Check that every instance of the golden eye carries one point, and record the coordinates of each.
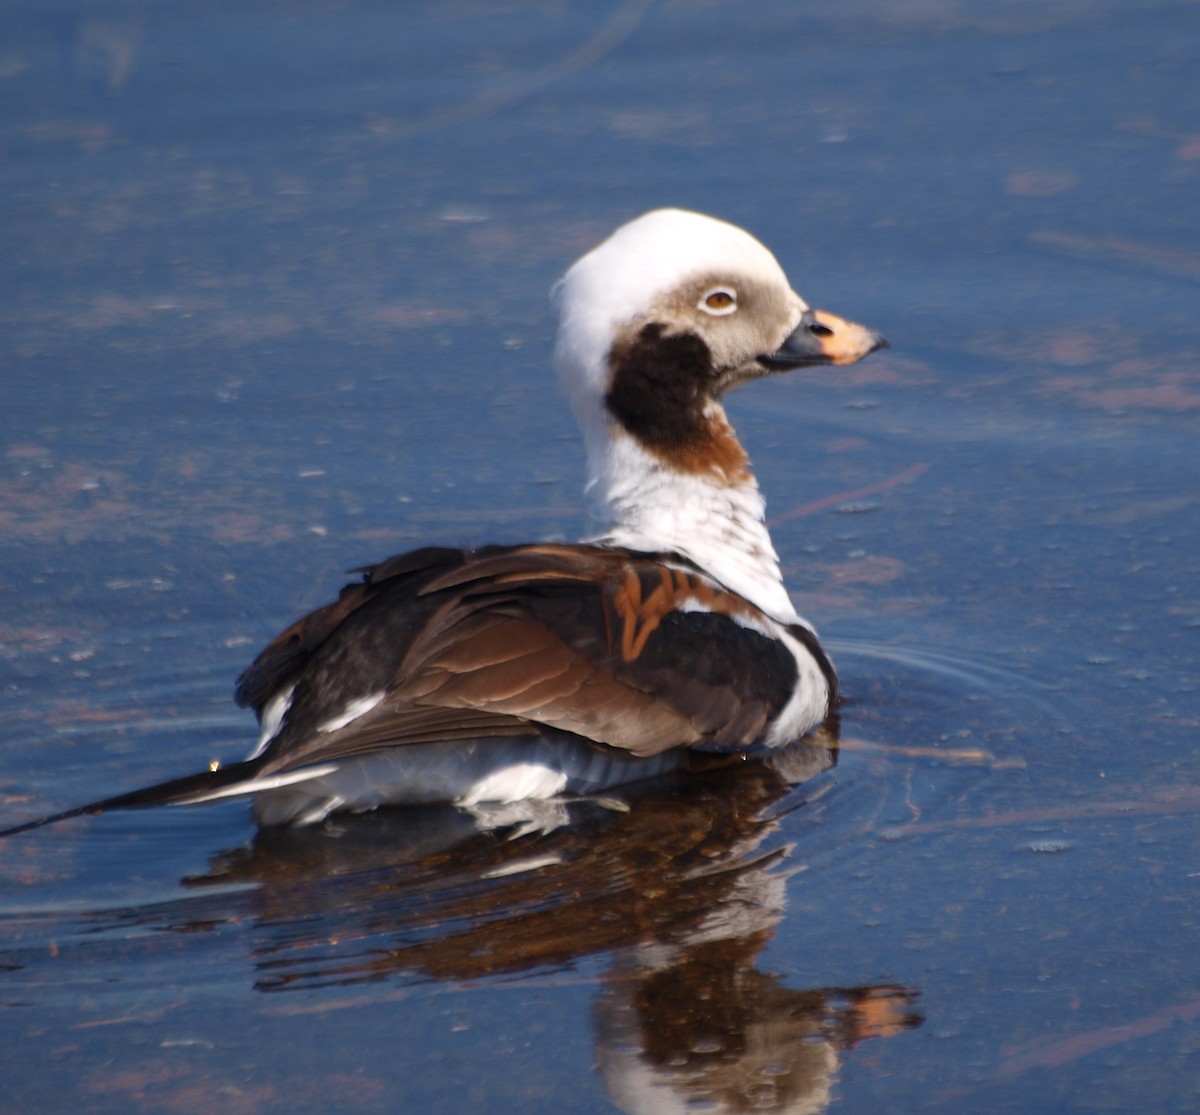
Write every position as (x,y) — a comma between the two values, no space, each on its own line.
(720,300)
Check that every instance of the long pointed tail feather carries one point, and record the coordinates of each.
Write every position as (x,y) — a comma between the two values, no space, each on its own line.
(222,782)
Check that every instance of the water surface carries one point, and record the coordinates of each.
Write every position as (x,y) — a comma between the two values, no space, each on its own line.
(276,305)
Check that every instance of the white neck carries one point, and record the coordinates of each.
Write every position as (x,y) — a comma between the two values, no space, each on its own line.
(713,520)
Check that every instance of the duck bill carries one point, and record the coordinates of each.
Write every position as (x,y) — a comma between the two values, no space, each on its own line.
(823,338)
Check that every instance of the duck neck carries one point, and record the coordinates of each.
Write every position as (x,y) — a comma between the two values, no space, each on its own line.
(713,516)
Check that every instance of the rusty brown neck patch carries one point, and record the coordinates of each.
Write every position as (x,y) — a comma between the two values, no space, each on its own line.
(660,392)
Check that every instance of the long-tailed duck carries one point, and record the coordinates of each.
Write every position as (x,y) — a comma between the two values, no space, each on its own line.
(520,672)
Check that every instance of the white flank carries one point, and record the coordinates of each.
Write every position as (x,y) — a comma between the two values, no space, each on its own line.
(809,702)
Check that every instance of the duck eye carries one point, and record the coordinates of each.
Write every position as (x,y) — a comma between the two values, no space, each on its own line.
(720,300)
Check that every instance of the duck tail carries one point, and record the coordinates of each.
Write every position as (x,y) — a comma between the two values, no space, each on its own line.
(192,788)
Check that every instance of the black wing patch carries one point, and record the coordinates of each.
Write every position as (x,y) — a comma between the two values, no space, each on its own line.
(394,584)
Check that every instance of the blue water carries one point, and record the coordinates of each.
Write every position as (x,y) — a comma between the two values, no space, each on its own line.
(276,305)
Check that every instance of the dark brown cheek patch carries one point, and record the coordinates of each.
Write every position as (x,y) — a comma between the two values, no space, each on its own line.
(659,383)
(660,386)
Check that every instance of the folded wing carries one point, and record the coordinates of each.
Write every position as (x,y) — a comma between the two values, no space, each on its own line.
(631,652)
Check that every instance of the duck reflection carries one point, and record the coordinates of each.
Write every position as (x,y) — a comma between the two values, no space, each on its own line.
(709,1031)
(680,884)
